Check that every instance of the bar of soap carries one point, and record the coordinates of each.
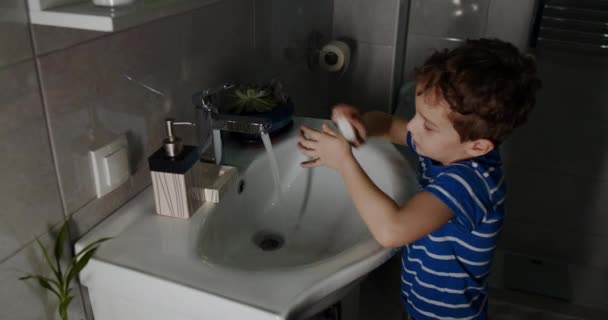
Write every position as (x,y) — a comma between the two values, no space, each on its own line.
(346,129)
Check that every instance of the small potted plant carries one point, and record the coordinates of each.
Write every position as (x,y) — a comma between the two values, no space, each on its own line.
(262,101)
(59,282)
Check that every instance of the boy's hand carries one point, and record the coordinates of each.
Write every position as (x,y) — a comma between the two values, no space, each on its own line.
(328,147)
(351,114)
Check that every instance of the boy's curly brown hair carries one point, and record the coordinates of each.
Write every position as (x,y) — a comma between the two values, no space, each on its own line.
(488,83)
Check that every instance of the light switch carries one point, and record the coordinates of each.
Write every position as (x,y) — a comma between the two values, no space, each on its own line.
(110,165)
(116,167)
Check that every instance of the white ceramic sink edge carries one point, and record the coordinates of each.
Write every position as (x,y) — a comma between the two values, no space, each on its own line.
(152,269)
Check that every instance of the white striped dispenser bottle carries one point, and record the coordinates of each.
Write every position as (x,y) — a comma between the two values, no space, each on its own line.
(176,173)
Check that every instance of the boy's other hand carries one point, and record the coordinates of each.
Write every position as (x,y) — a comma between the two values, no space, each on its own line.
(351,114)
(327,147)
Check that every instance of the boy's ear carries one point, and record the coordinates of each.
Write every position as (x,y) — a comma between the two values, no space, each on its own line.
(479,147)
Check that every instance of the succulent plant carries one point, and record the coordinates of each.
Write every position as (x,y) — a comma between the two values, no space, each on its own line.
(251,98)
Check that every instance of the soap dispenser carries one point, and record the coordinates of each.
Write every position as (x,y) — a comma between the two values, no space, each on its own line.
(176,173)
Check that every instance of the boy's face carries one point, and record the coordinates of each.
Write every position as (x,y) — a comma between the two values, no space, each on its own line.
(434,135)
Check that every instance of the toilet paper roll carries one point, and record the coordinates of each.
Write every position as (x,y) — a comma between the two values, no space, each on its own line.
(334,56)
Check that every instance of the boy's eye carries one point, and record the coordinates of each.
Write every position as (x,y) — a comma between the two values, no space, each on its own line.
(427,128)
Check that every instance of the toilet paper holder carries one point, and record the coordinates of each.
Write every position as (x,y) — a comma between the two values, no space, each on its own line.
(321,59)
(334,56)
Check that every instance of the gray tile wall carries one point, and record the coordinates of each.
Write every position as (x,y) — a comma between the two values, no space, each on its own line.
(437,24)
(49,38)
(64,92)
(282,32)
(90,101)
(372,26)
(283,28)
(29,192)
(15,35)
(557,165)
(28,208)
(27,300)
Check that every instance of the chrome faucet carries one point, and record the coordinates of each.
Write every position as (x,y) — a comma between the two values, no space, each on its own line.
(210,121)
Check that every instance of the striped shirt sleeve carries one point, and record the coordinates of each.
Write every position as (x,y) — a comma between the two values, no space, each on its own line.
(464,193)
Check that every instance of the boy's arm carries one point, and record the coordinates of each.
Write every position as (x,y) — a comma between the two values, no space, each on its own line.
(391,225)
(382,124)
(375,123)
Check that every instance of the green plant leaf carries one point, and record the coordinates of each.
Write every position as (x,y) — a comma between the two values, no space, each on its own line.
(44,282)
(63,310)
(61,286)
(74,262)
(268,102)
(66,302)
(259,107)
(48,258)
(47,279)
(80,264)
(252,98)
(240,94)
(260,94)
(59,244)
(87,248)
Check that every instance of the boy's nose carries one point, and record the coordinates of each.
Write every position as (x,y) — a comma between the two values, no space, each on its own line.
(412,124)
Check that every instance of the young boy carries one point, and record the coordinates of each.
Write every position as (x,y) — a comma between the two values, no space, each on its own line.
(468,100)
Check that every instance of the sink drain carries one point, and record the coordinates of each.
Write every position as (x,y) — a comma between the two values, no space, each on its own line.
(268,240)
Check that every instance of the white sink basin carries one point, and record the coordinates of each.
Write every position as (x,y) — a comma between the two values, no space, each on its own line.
(258,254)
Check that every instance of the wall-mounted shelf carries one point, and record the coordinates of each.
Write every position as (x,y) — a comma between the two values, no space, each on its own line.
(85,15)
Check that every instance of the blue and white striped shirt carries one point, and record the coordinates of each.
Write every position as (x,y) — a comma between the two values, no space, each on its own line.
(444,274)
